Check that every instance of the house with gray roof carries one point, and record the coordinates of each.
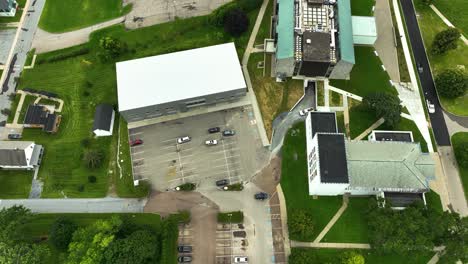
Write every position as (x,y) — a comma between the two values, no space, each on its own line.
(20,155)
(8,8)
(337,166)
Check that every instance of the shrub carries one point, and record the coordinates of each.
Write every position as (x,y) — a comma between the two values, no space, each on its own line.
(216,18)
(301,224)
(385,105)
(86,93)
(451,83)
(187,186)
(63,55)
(93,158)
(352,257)
(461,152)
(92,179)
(81,188)
(231,217)
(110,49)
(61,233)
(249,5)
(236,22)
(444,41)
(88,84)
(85,142)
(6,111)
(235,187)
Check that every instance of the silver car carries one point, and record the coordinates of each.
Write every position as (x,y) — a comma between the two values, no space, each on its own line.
(183,139)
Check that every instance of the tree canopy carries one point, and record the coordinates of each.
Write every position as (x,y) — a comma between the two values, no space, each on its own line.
(451,83)
(385,105)
(352,257)
(140,247)
(461,151)
(61,232)
(301,224)
(236,22)
(444,41)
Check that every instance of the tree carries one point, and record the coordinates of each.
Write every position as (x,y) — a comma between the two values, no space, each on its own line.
(89,244)
(140,247)
(444,41)
(302,256)
(236,22)
(61,233)
(385,105)
(461,152)
(301,224)
(451,83)
(454,239)
(93,158)
(23,253)
(12,221)
(249,5)
(110,49)
(352,257)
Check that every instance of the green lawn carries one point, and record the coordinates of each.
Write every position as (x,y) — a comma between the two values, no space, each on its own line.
(457,139)
(403,68)
(367,75)
(352,225)
(19,13)
(231,217)
(13,107)
(45,101)
(430,24)
(326,255)
(408,125)
(335,99)
(456,11)
(433,201)
(362,7)
(28,100)
(264,30)
(15,184)
(67,15)
(68,76)
(360,119)
(295,186)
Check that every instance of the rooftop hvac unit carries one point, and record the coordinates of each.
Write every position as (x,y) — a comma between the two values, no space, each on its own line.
(308,41)
(331,14)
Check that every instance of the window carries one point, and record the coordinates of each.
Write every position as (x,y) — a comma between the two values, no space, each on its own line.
(196,103)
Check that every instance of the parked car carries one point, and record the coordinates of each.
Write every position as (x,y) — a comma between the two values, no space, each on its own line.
(184,259)
(420,68)
(261,196)
(229,132)
(14,136)
(221,183)
(240,260)
(211,142)
(183,140)
(136,142)
(304,112)
(214,130)
(430,107)
(184,249)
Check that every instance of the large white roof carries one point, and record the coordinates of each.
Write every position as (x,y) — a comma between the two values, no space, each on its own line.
(178,76)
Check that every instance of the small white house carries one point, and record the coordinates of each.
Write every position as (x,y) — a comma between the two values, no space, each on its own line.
(364,30)
(8,8)
(19,155)
(103,120)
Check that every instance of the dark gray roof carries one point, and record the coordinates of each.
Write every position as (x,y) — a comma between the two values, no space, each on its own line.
(49,124)
(319,47)
(397,199)
(332,157)
(393,136)
(12,153)
(36,115)
(5,4)
(103,117)
(324,122)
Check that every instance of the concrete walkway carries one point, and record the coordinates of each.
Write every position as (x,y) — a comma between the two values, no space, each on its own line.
(369,130)
(329,245)
(447,22)
(333,220)
(18,108)
(245,60)
(386,44)
(45,41)
(411,97)
(103,205)
(284,220)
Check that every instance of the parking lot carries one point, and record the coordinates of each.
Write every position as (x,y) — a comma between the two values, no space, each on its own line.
(230,242)
(167,164)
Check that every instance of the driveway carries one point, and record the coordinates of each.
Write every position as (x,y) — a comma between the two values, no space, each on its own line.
(437,119)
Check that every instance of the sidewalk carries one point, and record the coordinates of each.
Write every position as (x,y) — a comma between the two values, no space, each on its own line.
(369,130)
(329,245)
(447,22)
(333,220)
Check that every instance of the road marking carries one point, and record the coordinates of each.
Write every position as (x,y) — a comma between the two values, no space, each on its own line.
(172,139)
(135,160)
(137,133)
(222,151)
(136,153)
(168,147)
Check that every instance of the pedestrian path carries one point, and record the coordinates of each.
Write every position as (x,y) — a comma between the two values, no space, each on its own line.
(333,220)
(369,130)
(329,245)
(447,22)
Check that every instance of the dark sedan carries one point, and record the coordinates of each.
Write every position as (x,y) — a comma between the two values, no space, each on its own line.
(214,130)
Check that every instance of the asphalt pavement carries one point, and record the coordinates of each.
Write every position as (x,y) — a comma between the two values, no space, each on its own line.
(439,127)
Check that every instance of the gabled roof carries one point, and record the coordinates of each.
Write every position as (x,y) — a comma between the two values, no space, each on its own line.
(12,153)
(388,165)
(346,31)
(103,117)
(285,29)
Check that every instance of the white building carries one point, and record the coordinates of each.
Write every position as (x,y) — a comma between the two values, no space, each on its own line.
(103,120)
(8,8)
(364,30)
(337,166)
(21,155)
(179,82)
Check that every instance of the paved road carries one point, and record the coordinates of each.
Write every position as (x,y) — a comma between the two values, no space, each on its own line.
(437,119)
(103,205)
(21,47)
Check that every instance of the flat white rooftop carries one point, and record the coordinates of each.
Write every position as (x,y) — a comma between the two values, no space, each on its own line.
(178,76)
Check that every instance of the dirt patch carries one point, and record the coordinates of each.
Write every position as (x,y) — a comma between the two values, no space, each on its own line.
(269,95)
(295,92)
(269,177)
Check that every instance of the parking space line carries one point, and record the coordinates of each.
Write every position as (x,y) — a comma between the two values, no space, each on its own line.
(135,160)
(216,152)
(227,157)
(172,139)
(136,153)
(168,147)
(136,133)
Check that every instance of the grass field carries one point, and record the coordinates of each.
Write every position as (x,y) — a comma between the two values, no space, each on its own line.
(15,184)
(40,224)
(362,7)
(456,11)
(13,107)
(273,97)
(19,13)
(430,24)
(433,201)
(360,118)
(265,27)
(28,100)
(335,99)
(367,75)
(295,186)
(62,168)
(352,225)
(457,139)
(67,15)
(333,256)
(403,68)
